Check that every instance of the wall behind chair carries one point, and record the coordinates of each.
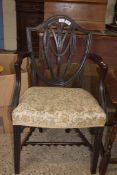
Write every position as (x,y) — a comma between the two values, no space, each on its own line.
(9,23)
(1,27)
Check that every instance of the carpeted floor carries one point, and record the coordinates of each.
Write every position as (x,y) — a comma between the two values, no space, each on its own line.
(43,160)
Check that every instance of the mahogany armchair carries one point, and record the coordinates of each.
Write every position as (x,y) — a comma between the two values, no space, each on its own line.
(58,105)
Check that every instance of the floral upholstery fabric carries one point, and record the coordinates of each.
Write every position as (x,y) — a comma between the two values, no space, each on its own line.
(55,107)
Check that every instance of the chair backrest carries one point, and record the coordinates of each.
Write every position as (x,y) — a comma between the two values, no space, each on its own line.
(59,45)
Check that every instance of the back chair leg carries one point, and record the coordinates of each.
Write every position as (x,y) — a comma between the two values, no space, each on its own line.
(17,148)
(96,148)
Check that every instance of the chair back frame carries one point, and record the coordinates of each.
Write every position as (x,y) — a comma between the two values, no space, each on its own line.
(58,38)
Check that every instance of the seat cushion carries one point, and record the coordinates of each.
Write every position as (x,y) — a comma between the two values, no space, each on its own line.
(55,107)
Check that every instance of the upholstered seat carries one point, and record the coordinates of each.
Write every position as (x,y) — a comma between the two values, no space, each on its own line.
(53,107)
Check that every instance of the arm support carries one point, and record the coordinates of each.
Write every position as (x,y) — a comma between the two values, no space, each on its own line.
(17,66)
(102,72)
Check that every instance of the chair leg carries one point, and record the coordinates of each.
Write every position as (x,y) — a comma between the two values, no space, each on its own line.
(107,155)
(104,164)
(17,148)
(67,130)
(96,148)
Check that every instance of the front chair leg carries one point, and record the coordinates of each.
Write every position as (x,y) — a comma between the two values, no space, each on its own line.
(107,155)
(67,130)
(17,148)
(96,148)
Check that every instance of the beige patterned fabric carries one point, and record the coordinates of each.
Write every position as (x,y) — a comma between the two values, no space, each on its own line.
(55,107)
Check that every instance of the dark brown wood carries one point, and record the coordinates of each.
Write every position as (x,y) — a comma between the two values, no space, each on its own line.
(84,11)
(17,148)
(88,1)
(112,85)
(96,148)
(113,160)
(105,45)
(29,13)
(106,159)
(55,143)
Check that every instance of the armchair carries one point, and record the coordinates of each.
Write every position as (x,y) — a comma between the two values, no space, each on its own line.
(58,105)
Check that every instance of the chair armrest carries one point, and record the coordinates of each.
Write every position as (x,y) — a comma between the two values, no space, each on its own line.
(102,70)
(21,56)
(17,65)
(98,60)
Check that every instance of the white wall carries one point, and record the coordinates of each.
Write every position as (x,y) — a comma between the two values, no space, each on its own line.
(9,22)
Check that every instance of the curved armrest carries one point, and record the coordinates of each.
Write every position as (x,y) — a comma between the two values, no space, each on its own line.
(102,72)
(98,60)
(17,66)
(21,56)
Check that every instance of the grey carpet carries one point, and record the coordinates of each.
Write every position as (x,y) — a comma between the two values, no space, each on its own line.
(43,160)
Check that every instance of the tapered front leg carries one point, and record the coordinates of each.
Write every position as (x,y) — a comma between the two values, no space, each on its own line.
(96,148)
(17,148)
(107,155)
